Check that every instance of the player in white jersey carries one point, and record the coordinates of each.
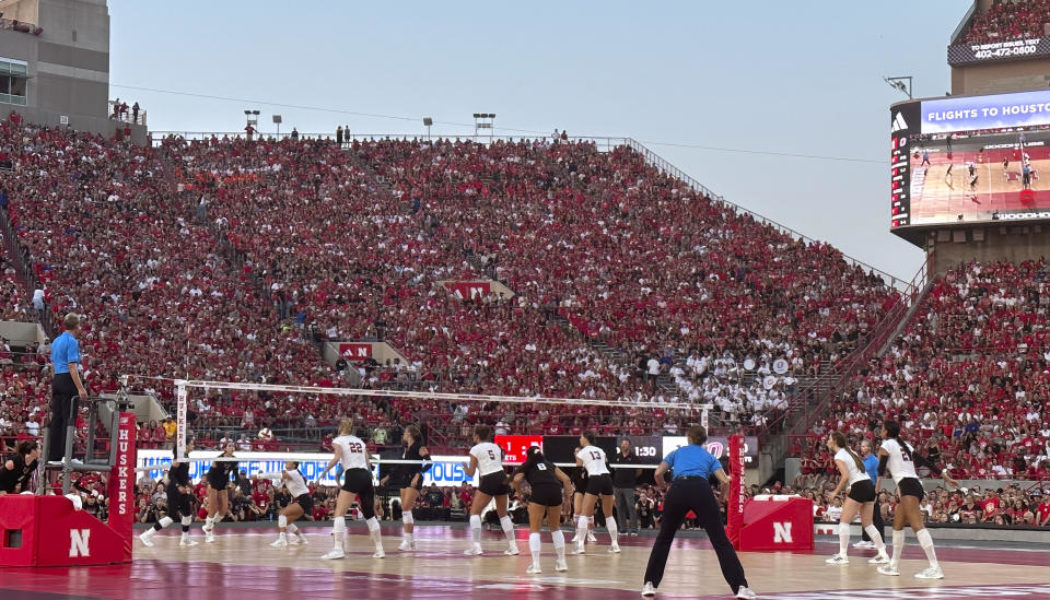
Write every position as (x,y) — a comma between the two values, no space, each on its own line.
(352,453)
(599,485)
(900,459)
(302,502)
(861,498)
(486,459)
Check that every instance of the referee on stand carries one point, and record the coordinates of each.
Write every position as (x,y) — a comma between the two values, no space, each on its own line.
(693,466)
(66,387)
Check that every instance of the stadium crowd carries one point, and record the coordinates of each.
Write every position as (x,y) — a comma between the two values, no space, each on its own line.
(968,378)
(1009,20)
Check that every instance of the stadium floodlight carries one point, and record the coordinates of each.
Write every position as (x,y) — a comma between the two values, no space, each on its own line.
(484,121)
(427,122)
(252,116)
(277,121)
(901,84)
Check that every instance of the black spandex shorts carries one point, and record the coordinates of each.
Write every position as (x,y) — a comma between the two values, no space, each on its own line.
(600,485)
(179,503)
(546,494)
(305,502)
(910,486)
(862,491)
(359,481)
(494,484)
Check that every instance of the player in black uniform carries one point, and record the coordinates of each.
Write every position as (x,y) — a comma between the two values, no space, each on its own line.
(16,471)
(409,478)
(550,488)
(578,477)
(180,500)
(219,476)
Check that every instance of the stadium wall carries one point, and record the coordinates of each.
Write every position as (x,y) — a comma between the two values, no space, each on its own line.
(1013,243)
(997,78)
(68,66)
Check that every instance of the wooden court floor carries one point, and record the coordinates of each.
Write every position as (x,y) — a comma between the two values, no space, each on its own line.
(943,197)
(241,565)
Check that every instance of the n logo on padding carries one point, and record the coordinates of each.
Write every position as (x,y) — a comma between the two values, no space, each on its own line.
(782,533)
(78,542)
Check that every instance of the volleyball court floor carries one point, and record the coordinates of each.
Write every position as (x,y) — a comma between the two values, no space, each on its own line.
(940,197)
(241,565)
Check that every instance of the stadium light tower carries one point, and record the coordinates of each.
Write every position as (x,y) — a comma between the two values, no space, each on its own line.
(484,121)
(901,84)
(427,122)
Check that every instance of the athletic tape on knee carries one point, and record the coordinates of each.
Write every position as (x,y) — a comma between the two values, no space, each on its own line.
(406,517)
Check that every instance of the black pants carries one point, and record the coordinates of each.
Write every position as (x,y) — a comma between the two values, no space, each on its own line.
(694,494)
(63,410)
(876,520)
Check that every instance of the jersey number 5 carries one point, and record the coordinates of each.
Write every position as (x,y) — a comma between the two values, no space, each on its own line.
(492,455)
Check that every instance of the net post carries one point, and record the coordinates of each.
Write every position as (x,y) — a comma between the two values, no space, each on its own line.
(737,482)
(180,437)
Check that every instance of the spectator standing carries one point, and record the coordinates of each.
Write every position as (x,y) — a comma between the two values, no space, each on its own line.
(624,483)
(66,387)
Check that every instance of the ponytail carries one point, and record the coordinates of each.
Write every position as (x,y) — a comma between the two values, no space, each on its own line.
(840,441)
(893,430)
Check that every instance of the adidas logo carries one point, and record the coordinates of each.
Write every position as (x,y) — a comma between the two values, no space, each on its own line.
(899,124)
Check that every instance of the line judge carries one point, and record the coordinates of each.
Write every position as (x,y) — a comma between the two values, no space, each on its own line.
(66,386)
(690,489)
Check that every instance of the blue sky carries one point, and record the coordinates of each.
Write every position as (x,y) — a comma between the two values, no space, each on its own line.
(765,76)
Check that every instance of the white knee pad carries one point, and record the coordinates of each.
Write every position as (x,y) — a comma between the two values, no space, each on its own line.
(406,517)
(187,521)
(282,521)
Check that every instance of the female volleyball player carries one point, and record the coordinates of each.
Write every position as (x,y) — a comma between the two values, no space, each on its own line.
(302,503)
(487,458)
(350,450)
(180,500)
(549,489)
(599,486)
(578,477)
(218,500)
(861,498)
(410,478)
(900,459)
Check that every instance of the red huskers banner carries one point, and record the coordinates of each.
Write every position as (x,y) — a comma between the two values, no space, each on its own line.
(738,487)
(469,289)
(121,487)
(352,351)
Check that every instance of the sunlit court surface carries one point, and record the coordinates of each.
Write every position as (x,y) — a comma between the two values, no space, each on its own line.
(240,564)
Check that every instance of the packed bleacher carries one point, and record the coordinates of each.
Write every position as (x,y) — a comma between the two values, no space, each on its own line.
(1009,20)
(968,378)
(602,250)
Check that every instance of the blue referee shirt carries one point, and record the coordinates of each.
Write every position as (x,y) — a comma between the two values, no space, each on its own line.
(871,465)
(692,461)
(64,350)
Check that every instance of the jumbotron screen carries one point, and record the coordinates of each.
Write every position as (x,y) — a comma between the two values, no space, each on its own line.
(970,159)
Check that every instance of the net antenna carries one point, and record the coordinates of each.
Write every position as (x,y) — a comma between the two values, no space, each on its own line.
(182,387)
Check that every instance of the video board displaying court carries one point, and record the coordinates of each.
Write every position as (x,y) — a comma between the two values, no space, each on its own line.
(970,159)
